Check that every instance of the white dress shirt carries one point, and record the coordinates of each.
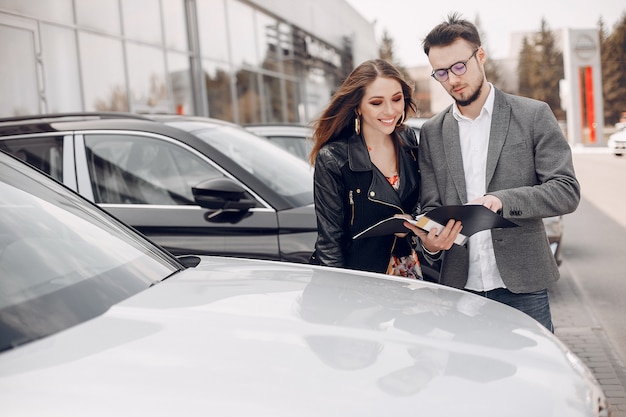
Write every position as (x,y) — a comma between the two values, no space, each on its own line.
(474,134)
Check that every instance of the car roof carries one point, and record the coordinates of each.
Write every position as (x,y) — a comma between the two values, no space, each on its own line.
(163,124)
(280,129)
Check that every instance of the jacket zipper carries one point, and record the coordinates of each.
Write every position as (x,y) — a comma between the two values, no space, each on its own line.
(351,199)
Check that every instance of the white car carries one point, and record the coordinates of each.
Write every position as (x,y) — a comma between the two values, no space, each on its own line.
(617,141)
(95,320)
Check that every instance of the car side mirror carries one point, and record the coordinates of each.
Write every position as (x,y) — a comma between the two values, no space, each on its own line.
(226,197)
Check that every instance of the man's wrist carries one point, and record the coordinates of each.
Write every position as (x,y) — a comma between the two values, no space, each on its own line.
(429,252)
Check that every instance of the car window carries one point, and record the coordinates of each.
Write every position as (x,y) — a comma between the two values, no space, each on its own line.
(297,146)
(44,153)
(283,172)
(133,169)
(62,261)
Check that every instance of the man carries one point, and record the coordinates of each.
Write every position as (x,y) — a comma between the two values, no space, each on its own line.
(504,152)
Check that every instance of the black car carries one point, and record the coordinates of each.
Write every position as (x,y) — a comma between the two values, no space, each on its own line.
(192,185)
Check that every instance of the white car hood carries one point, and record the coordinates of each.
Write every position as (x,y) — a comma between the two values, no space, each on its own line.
(244,338)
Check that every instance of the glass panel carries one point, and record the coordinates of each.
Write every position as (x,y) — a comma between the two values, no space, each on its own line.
(175,24)
(248,98)
(242,34)
(43,153)
(99,14)
(318,92)
(58,10)
(102,64)
(212,29)
(140,170)
(142,20)
(295,107)
(18,75)
(285,39)
(180,81)
(218,82)
(267,38)
(58,47)
(273,107)
(146,76)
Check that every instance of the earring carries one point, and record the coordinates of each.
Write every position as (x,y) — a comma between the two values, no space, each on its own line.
(401,120)
(357,125)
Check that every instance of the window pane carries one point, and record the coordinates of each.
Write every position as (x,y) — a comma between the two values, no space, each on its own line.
(18,75)
(45,154)
(102,64)
(248,98)
(268,43)
(140,170)
(61,69)
(273,99)
(212,29)
(295,107)
(180,81)
(218,81)
(99,14)
(142,20)
(242,34)
(146,74)
(175,24)
(58,10)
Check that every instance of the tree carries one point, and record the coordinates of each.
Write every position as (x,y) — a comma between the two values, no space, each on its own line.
(541,69)
(613,58)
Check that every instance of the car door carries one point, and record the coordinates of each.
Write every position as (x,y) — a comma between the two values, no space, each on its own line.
(146,181)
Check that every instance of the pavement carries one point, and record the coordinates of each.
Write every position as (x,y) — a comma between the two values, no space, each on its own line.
(576,326)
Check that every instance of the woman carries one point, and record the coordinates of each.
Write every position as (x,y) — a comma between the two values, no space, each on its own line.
(366,170)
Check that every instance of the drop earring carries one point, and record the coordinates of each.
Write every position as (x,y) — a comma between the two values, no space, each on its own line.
(357,125)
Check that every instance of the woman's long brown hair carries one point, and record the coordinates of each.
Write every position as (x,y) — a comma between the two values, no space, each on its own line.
(338,117)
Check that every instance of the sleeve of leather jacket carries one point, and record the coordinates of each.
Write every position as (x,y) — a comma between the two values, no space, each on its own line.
(330,209)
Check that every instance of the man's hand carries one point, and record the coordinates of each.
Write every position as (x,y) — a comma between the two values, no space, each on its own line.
(492,202)
(435,240)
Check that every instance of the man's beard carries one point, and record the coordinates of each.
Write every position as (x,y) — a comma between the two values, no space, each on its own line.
(471,99)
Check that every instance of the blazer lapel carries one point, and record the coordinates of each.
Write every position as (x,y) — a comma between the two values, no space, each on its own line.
(454,157)
(500,120)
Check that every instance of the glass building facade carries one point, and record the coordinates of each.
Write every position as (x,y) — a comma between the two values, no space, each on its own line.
(228,59)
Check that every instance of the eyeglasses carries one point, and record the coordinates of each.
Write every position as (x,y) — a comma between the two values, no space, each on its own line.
(458,68)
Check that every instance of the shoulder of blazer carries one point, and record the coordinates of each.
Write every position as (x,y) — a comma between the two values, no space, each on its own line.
(514,100)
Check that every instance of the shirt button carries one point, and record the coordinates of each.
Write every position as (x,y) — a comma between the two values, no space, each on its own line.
(372,193)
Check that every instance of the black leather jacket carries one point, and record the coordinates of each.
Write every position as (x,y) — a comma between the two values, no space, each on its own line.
(351,194)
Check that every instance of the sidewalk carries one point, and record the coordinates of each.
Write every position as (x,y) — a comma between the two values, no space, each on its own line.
(580,331)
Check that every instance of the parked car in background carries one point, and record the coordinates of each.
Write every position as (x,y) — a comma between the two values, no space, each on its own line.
(617,141)
(97,320)
(297,139)
(416,124)
(192,185)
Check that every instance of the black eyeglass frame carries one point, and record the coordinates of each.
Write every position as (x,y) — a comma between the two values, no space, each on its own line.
(449,69)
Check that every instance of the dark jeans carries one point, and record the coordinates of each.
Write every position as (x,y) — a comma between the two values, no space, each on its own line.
(535,304)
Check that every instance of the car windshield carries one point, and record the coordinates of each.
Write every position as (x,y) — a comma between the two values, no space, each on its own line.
(283,172)
(62,260)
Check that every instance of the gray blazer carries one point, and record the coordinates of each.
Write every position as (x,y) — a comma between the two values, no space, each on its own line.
(529,168)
